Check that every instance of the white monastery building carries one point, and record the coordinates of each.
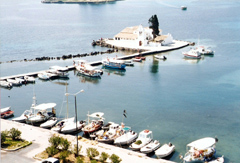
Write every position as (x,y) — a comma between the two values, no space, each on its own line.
(142,37)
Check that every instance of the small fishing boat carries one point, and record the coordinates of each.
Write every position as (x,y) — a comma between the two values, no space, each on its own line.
(204,51)
(4,110)
(127,137)
(22,81)
(184,7)
(110,135)
(7,114)
(44,76)
(142,58)
(217,160)
(59,125)
(56,73)
(137,60)
(128,62)
(5,84)
(165,150)
(113,63)
(192,54)
(144,138)
(201,150)
(95,124)
(49,123)
(151,147)
(160,57)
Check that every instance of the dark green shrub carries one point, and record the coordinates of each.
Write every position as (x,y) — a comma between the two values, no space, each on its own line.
(63,156)
(15,134)
(115,159)
(104,156)
(64,144)
(80,160)
(3,137)
(93,161)
(51,151)
(92,152)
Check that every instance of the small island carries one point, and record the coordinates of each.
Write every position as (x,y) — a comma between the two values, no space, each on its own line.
(77,1)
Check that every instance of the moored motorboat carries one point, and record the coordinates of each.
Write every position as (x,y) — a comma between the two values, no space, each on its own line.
(127,137)
(84,68)
(6,109)
(5,84)
(204,51)
(14,82)
(144,138)
(137,60)
(44,76)
(160,57)
(151,147)
(41,113)
(110,135)
(201,150)
(113,63)
(7,114)
(29,79)
(49,123)
(192,54)
(59,125)
(57,73)
(165,150)
(72,126)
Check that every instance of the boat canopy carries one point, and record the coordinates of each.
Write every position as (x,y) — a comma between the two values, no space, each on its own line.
(96,115)
(203,143)
(45,106)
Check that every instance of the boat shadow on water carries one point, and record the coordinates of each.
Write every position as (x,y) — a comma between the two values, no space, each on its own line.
(109,71)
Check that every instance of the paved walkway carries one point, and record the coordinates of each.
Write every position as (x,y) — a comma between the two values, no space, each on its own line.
(40,136)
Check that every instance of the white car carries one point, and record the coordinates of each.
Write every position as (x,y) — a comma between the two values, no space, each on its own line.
(51,160)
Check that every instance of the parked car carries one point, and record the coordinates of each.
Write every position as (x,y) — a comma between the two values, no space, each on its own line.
(51,160)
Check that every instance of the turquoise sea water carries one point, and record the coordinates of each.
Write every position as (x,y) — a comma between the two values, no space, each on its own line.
(179,100)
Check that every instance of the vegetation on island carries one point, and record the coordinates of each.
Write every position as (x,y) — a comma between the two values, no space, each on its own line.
(154,25)
(11,140)
(61,148)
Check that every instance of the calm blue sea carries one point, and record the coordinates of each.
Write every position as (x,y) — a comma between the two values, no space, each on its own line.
(179,100)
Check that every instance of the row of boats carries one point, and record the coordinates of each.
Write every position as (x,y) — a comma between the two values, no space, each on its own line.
(197,52)
(9,83)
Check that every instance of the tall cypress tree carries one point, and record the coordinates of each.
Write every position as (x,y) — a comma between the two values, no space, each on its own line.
(154,25)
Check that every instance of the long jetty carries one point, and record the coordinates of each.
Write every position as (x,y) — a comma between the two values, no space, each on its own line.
(95,63)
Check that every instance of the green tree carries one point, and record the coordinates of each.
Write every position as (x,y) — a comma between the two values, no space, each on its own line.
(63,156)
(64,144)
(15,134)
(92,152)
(154,25)
(51,151)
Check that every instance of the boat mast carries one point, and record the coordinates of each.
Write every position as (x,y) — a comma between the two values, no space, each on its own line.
(67,101)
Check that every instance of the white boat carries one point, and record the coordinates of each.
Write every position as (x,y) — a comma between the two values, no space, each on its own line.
(56,73)
(49,123)
(128,62)
(95,124)
(70,126)
(204,51)
(165,150)
(113,63)
(128,136)
(41,113)
(84,68)
(22,81)
(151,147)
(59,68)
(29,79)
(144,138)
(137,60)
(192,54)
(160,57)
(6,109)
(44,76)
(26,113)
(110,135)
(59,125)
(201,150)
(217,160)
(14,82)
(5,84)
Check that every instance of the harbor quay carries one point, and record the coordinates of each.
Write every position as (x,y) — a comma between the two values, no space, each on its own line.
(40,137)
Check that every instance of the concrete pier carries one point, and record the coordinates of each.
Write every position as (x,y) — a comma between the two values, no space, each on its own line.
(40,136)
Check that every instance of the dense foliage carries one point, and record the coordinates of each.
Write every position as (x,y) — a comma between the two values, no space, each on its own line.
(154,25)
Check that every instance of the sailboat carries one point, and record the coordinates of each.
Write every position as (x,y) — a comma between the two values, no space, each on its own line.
(68,125)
